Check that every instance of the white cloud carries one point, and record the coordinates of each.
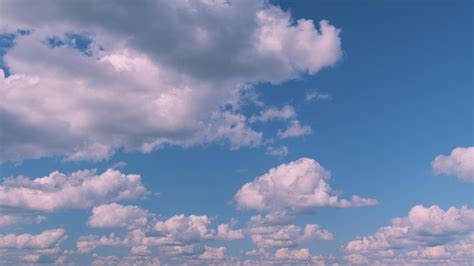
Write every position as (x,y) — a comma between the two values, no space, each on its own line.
(277,151)
(276,230)
(315,95)
(295,130)
(285,113)
(116,215)
(212,253)
(225,231)
(179,235)
(18,219)
(81,189)
(459,163)
(299,185)
(59,101)
(43,240)
(292,254)
(127,260)
(424,233)
(185,229)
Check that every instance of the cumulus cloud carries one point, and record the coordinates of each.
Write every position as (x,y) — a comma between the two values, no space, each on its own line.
(277,151)
(459,163)
(116,215)
(294,130)
(176,236)
(295,254)
(185,229)
(313,95)
(81,189)
(276,230)
(18,219)
(126,260)
(427,232)
(43,240)
(226,231)
(286,112)
(86,105)
(299,185)
(212,253)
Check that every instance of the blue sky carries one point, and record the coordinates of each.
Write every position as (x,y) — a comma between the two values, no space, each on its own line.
(394,125)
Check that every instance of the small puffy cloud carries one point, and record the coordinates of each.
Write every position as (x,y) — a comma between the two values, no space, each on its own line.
(126,260)
(43,240)
(277,151)
(294,130)
(292,254)
(179,235)
(32,258)
(427,232)
(212,253)
(116,215)
(313,95)
(17,219)
(81,189)
(299,185)
(286,112)
(225,231)
(186,229)
(86,244)
(276,230)
(459,163)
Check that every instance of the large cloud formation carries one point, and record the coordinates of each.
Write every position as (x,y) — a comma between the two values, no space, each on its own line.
(81,189)
(299,185)
(459,163)
(152,73)
(426,235)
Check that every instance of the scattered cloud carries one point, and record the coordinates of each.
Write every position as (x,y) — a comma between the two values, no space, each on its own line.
(294,130)
(299,185)
(116,216)
(459,163)
(19,219)
(313,95)
(86,104)
(272,113)
(81,189)
(44,240)
(276,230)
(426,233)
(280,151)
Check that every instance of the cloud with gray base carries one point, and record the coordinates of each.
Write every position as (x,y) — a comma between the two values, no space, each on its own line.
(61,101)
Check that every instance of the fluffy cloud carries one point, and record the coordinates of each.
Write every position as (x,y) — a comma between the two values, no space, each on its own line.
(186,229)
(44,240)
(276,230)
(294,130)
(315,95)
(86,105)
(116,215)
(459,163)
(127,260)
(295,254)
(225,231)
(17,219)
(176,236)
(286,112)
(424,233)
(277,151)
(299,185)
(213,253)
(81,189)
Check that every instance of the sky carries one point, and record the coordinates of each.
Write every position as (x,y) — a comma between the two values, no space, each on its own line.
(236,132)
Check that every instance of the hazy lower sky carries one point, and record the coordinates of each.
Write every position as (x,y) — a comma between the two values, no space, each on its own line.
(236,132)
